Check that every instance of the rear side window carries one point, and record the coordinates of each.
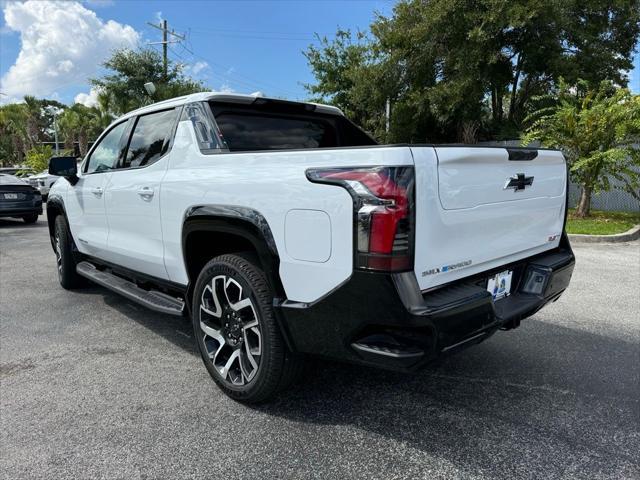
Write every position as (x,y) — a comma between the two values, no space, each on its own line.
(150,138)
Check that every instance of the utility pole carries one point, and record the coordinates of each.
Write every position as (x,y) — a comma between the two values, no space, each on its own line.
(387,112)
(163,26)
(55,132)
(164,48)
(55,112)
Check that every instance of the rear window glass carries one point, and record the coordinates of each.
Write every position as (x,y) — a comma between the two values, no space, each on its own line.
(265,132)
(249,128)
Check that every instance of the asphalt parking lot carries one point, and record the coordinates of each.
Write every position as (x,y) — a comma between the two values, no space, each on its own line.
(93,386)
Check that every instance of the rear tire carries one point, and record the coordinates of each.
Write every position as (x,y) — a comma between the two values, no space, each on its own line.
(30,218)
(65,260)
(238,337)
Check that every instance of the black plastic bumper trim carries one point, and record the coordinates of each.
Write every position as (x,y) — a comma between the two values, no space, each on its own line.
(449,319)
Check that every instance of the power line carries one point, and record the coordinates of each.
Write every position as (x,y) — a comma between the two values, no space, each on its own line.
(307,34)
(251,36)
(236,78)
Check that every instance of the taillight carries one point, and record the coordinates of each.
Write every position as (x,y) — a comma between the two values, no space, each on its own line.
(384,213)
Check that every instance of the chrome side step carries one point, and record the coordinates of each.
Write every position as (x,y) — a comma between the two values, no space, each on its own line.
(151,299)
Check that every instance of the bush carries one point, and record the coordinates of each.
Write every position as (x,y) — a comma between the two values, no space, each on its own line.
(38,157)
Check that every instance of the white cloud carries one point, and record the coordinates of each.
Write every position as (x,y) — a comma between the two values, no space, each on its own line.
(100,3)
(198,67)
(62,44)
(225,88)
(87,99)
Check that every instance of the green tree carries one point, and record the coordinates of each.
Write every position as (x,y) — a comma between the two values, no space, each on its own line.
(23,126)
(599,132)
(13,135)
(37,158)
(122,90)
(81,124)
(468,69)
(598,38)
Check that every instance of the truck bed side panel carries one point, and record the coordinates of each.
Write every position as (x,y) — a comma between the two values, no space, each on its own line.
(275,185)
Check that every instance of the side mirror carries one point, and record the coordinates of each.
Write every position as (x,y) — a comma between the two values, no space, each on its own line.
(66,167)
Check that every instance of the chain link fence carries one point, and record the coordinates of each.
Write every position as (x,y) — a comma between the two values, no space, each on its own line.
(613,200)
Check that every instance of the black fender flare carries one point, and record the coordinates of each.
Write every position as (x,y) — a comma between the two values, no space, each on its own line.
(55,204)
(243,222)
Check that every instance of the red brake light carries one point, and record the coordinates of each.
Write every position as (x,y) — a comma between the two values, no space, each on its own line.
(384,213)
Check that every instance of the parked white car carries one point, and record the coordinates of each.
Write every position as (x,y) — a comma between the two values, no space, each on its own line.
(282,229)
(43,182)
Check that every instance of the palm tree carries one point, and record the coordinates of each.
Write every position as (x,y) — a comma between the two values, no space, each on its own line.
(79,123)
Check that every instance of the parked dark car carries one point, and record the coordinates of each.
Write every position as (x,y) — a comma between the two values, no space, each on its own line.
(18,199)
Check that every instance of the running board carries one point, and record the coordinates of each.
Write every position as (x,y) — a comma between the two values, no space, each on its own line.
(151,299)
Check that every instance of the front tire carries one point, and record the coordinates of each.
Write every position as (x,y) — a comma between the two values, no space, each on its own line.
(65,261)
(236,331)
(30,218)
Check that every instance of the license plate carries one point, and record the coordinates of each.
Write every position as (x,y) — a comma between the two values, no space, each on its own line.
(11,196)
(499,286)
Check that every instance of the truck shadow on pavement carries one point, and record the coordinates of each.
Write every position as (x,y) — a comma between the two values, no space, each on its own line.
(541,400)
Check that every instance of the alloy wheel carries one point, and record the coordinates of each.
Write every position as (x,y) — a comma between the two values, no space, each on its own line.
(231,330)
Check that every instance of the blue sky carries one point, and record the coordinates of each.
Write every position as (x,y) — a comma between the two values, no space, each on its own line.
(49,49)
(243,46)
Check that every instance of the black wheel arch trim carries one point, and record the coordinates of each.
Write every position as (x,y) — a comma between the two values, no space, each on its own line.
(244,222)
(54,203)
(246,214)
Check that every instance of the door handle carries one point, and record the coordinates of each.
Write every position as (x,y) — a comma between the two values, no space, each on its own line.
(146,193)
(97,191)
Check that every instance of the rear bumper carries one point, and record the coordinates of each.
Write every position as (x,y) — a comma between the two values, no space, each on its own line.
(384,320)
(20,210)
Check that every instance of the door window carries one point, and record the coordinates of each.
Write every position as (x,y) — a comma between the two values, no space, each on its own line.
(150,138)
(105,156)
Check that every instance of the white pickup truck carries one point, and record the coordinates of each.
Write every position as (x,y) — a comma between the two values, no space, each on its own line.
(282,229)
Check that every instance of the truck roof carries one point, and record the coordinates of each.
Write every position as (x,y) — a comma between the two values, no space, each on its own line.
(223,97)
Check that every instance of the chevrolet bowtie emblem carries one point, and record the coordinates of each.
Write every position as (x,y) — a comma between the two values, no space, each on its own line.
(518,182)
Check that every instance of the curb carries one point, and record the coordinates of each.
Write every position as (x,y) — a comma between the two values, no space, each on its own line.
(628,236)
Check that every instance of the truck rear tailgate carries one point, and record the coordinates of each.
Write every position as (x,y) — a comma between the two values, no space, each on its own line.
(478,209)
